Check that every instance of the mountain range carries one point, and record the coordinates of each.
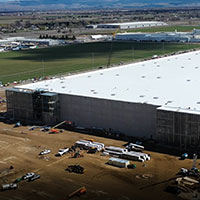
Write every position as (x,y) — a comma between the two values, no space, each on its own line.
(94,4)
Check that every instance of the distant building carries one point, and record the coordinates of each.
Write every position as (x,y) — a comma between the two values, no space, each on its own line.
(161,36)
(101,37)
(10,40)
(49,42)
(131,25)
(91,26)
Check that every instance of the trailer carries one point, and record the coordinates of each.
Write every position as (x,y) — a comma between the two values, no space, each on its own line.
(85,144)
(132,156)
(112,153)
(135,147)
(9,186)
(118,162)
(116,149)
(145,156)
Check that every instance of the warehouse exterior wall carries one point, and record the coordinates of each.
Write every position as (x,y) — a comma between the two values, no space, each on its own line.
(19,104)
(177,129)
(133,119)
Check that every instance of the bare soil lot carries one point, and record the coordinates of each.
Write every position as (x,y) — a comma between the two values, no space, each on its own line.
(19,147)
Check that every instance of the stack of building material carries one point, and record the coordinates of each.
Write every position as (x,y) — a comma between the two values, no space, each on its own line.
(135,147)
(186,181)
(127,154)
(89,145)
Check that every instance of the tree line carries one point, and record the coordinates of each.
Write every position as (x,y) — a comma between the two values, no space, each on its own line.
(57,37)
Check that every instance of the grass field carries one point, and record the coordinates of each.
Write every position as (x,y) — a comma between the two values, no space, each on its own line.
(21,65)
(179,28)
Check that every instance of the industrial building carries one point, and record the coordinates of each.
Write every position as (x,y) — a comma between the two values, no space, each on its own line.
(128,25)
(48,42)
(193,36)
(10,40)
(157,99)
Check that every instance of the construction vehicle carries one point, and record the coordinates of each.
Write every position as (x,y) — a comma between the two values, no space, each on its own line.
(76,169)
(77,155)
(189,172)
(78,192)
(18,124)
(184,156)
(92,150)
(193,171)
(72,148)
(53,130)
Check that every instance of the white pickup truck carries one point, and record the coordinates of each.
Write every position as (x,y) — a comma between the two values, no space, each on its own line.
(9,186)
(44,152)
(61,152)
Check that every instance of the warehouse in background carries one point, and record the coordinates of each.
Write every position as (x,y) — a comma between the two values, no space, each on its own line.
(128,25)
(193,36)
(143,99)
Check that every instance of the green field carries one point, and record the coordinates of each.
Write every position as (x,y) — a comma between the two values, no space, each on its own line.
(179,28)
(20,65)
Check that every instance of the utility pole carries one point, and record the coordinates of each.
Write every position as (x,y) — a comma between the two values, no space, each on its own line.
(92,59)
(110,54)
(163,46)
(133,52)
(43,68)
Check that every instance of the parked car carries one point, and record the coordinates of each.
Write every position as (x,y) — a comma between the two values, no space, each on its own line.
(44,152)
(75,168)
(28,175)
(18,124)
(45,128)
(9,186)
(61,152)
(36,176)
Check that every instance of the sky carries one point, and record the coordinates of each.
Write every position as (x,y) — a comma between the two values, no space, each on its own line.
(71,4)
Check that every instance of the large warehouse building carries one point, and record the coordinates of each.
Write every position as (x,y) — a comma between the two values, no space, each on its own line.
(157,98)
(193,36)
(128,25)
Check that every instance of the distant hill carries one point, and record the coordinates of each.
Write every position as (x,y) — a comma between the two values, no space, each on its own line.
(98,4)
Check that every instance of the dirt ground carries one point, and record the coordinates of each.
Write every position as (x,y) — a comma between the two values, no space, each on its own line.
(19,147)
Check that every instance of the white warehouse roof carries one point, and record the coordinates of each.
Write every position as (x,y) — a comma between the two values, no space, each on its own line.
(169,81)
(128,25)
(135,23)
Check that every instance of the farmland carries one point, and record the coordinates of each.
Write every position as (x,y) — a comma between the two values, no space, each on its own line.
(22,65)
